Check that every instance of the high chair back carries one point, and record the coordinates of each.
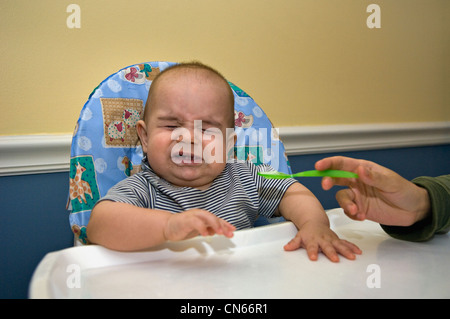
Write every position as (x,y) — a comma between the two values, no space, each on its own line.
(105,146)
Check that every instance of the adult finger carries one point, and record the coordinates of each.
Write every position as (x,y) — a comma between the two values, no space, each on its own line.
(329,182)
(346,200)
(338,162)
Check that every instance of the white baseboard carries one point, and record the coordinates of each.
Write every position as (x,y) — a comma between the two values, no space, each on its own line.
(32,154)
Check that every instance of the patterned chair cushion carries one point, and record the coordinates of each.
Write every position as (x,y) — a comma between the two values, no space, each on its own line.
(106,149)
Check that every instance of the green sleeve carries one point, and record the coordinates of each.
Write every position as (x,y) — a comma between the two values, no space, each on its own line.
(438,221)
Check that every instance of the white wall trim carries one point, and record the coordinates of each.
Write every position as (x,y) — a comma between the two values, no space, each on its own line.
(300,140)
(32,154)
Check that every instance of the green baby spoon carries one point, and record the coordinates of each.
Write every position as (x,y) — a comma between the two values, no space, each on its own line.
(313,173)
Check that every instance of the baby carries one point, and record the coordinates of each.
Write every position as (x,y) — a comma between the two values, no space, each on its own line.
(188,188)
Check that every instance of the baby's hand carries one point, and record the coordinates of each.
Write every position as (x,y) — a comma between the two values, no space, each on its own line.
(317,236)
(196,222)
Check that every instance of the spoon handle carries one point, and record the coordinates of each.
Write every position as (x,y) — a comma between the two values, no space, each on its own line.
(312,173)
(329,173)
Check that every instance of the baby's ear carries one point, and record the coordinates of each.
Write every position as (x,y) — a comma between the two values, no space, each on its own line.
(141,129)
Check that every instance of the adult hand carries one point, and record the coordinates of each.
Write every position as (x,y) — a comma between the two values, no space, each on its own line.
(379,194)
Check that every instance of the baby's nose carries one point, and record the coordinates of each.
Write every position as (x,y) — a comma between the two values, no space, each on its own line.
(196,132)
(188,135)
(196,135)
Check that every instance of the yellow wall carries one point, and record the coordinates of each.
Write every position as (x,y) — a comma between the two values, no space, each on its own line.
(306,62)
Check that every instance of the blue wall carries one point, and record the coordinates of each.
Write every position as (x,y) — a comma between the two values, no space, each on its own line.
(33,222)
(33,219)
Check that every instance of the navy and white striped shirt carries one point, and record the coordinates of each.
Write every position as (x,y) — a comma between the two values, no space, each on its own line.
(238,195)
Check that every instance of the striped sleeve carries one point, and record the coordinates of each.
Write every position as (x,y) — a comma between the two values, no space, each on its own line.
(271,191)
(133,190)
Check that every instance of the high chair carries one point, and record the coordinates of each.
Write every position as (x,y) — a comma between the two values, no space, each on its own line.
(105,146)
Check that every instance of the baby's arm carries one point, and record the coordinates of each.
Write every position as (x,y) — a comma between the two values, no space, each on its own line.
(125,227)
(301,207)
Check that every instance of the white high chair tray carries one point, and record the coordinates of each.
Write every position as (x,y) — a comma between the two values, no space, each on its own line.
(252,264)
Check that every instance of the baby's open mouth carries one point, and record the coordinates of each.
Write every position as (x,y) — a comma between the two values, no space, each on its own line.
(186,158)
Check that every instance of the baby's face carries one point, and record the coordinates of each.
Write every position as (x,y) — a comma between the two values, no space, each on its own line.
(185,131)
